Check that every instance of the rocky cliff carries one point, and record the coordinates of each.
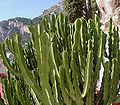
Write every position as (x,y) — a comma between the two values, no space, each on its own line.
(16,25)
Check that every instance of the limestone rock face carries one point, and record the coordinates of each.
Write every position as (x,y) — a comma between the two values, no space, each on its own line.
(109,8)
(16,25)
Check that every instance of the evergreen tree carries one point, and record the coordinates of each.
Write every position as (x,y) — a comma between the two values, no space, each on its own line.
(79,8)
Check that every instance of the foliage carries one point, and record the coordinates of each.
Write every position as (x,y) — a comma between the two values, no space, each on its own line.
(79,8)
(61,64)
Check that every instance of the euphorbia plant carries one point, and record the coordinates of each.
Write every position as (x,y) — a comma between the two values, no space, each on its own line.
(63,61)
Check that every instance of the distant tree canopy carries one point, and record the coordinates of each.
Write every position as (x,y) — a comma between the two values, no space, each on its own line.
(79,8)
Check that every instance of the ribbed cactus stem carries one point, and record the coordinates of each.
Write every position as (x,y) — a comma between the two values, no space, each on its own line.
(89,85)
(114,77)
(9,43)
(53,23)
(114,81)
(23,67)
(46,91)
(53,60)
(35,33)
(75,47)
(62,86)
(55,89)
(67,72)
(106,82)
(6,61)
(89,71)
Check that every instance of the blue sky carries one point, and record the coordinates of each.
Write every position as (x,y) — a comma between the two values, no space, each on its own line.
(24,8)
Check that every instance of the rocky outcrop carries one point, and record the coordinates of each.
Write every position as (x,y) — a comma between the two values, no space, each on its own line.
(16,25)
(56,8)
(20,25)
(109,8)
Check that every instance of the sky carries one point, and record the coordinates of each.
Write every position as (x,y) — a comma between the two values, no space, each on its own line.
(24,8)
